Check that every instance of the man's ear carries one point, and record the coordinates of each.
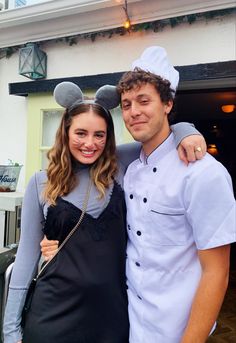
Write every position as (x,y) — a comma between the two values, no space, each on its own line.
(168,106)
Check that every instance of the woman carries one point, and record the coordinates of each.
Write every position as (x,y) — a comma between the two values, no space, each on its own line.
(81,295)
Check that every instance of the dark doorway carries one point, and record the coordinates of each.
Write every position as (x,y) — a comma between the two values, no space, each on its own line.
(203,107)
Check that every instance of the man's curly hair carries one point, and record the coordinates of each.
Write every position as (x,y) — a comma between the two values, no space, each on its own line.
(138,77)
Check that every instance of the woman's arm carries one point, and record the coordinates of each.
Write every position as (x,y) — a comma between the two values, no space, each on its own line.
(26,262)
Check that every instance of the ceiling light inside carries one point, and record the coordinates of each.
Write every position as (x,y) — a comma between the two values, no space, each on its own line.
(228,108)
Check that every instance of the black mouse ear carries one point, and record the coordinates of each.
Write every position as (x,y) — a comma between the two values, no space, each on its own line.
(108,97)
(67,94)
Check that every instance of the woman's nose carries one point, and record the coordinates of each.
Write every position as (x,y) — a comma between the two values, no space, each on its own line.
(89,141)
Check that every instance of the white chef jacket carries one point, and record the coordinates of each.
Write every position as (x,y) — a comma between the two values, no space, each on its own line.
(172,210)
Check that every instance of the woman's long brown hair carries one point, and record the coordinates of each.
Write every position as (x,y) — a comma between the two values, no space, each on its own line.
(61,178)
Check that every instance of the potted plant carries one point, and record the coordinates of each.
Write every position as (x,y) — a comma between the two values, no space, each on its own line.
(9,175)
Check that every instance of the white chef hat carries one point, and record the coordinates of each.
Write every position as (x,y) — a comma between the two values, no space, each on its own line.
(155,60)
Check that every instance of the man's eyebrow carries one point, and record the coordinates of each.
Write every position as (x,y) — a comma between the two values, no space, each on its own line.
(142,95)
(125,101)
(139,96)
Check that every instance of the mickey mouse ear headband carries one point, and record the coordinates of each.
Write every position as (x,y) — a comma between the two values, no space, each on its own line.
(69,95)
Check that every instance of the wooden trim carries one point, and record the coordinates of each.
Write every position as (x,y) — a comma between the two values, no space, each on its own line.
(42,86)
(214,75)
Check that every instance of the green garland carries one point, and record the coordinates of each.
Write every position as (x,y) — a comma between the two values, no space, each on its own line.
(155,26)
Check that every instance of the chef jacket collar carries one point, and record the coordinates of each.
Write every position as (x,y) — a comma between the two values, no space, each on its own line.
(159,152)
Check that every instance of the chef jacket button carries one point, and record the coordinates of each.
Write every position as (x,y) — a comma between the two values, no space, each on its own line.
(129,228)
(139,297)
(137,264)
(139,233)
(131,196)
(154,170)
(144,199)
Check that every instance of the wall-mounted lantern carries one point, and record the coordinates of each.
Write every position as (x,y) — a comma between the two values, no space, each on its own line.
(32,62)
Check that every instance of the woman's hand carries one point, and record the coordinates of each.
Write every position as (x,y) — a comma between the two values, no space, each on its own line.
(192,148)
(48,248)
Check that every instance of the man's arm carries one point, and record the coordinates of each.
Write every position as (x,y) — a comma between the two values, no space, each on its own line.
(187,139)
(48,248)
(209,295)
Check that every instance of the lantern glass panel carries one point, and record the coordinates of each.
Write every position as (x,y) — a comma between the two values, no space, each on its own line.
(32,62)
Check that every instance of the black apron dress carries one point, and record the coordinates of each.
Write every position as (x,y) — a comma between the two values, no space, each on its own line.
(81,296)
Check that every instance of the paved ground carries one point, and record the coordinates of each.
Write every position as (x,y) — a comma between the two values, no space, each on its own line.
(226,330)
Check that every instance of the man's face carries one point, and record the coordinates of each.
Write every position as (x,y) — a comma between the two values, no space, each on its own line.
(146,116)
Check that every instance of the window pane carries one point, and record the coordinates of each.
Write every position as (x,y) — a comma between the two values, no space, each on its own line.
(19,3)
(44,160)
(51,121)
(121,133)
(118,125)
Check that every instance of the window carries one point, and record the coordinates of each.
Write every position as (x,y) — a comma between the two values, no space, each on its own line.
(121,134)
(50,123)
(19,3)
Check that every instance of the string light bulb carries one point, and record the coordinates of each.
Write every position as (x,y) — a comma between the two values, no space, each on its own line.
(127,23)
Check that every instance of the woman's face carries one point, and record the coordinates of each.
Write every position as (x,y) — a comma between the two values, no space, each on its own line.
(87,137)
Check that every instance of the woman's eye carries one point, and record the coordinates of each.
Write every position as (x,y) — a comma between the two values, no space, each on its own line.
(100,135)
(81,134)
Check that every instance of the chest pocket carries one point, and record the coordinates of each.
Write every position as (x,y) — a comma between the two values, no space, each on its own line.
(167,225)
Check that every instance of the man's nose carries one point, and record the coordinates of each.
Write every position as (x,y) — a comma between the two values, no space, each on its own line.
(135,110)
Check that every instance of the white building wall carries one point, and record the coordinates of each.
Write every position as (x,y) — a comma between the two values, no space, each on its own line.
(13,111)
(201,42)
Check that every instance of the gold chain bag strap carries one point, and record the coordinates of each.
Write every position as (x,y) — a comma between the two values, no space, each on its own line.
(32,285)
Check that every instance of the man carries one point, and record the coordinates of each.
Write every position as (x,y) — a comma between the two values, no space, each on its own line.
(180,219)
